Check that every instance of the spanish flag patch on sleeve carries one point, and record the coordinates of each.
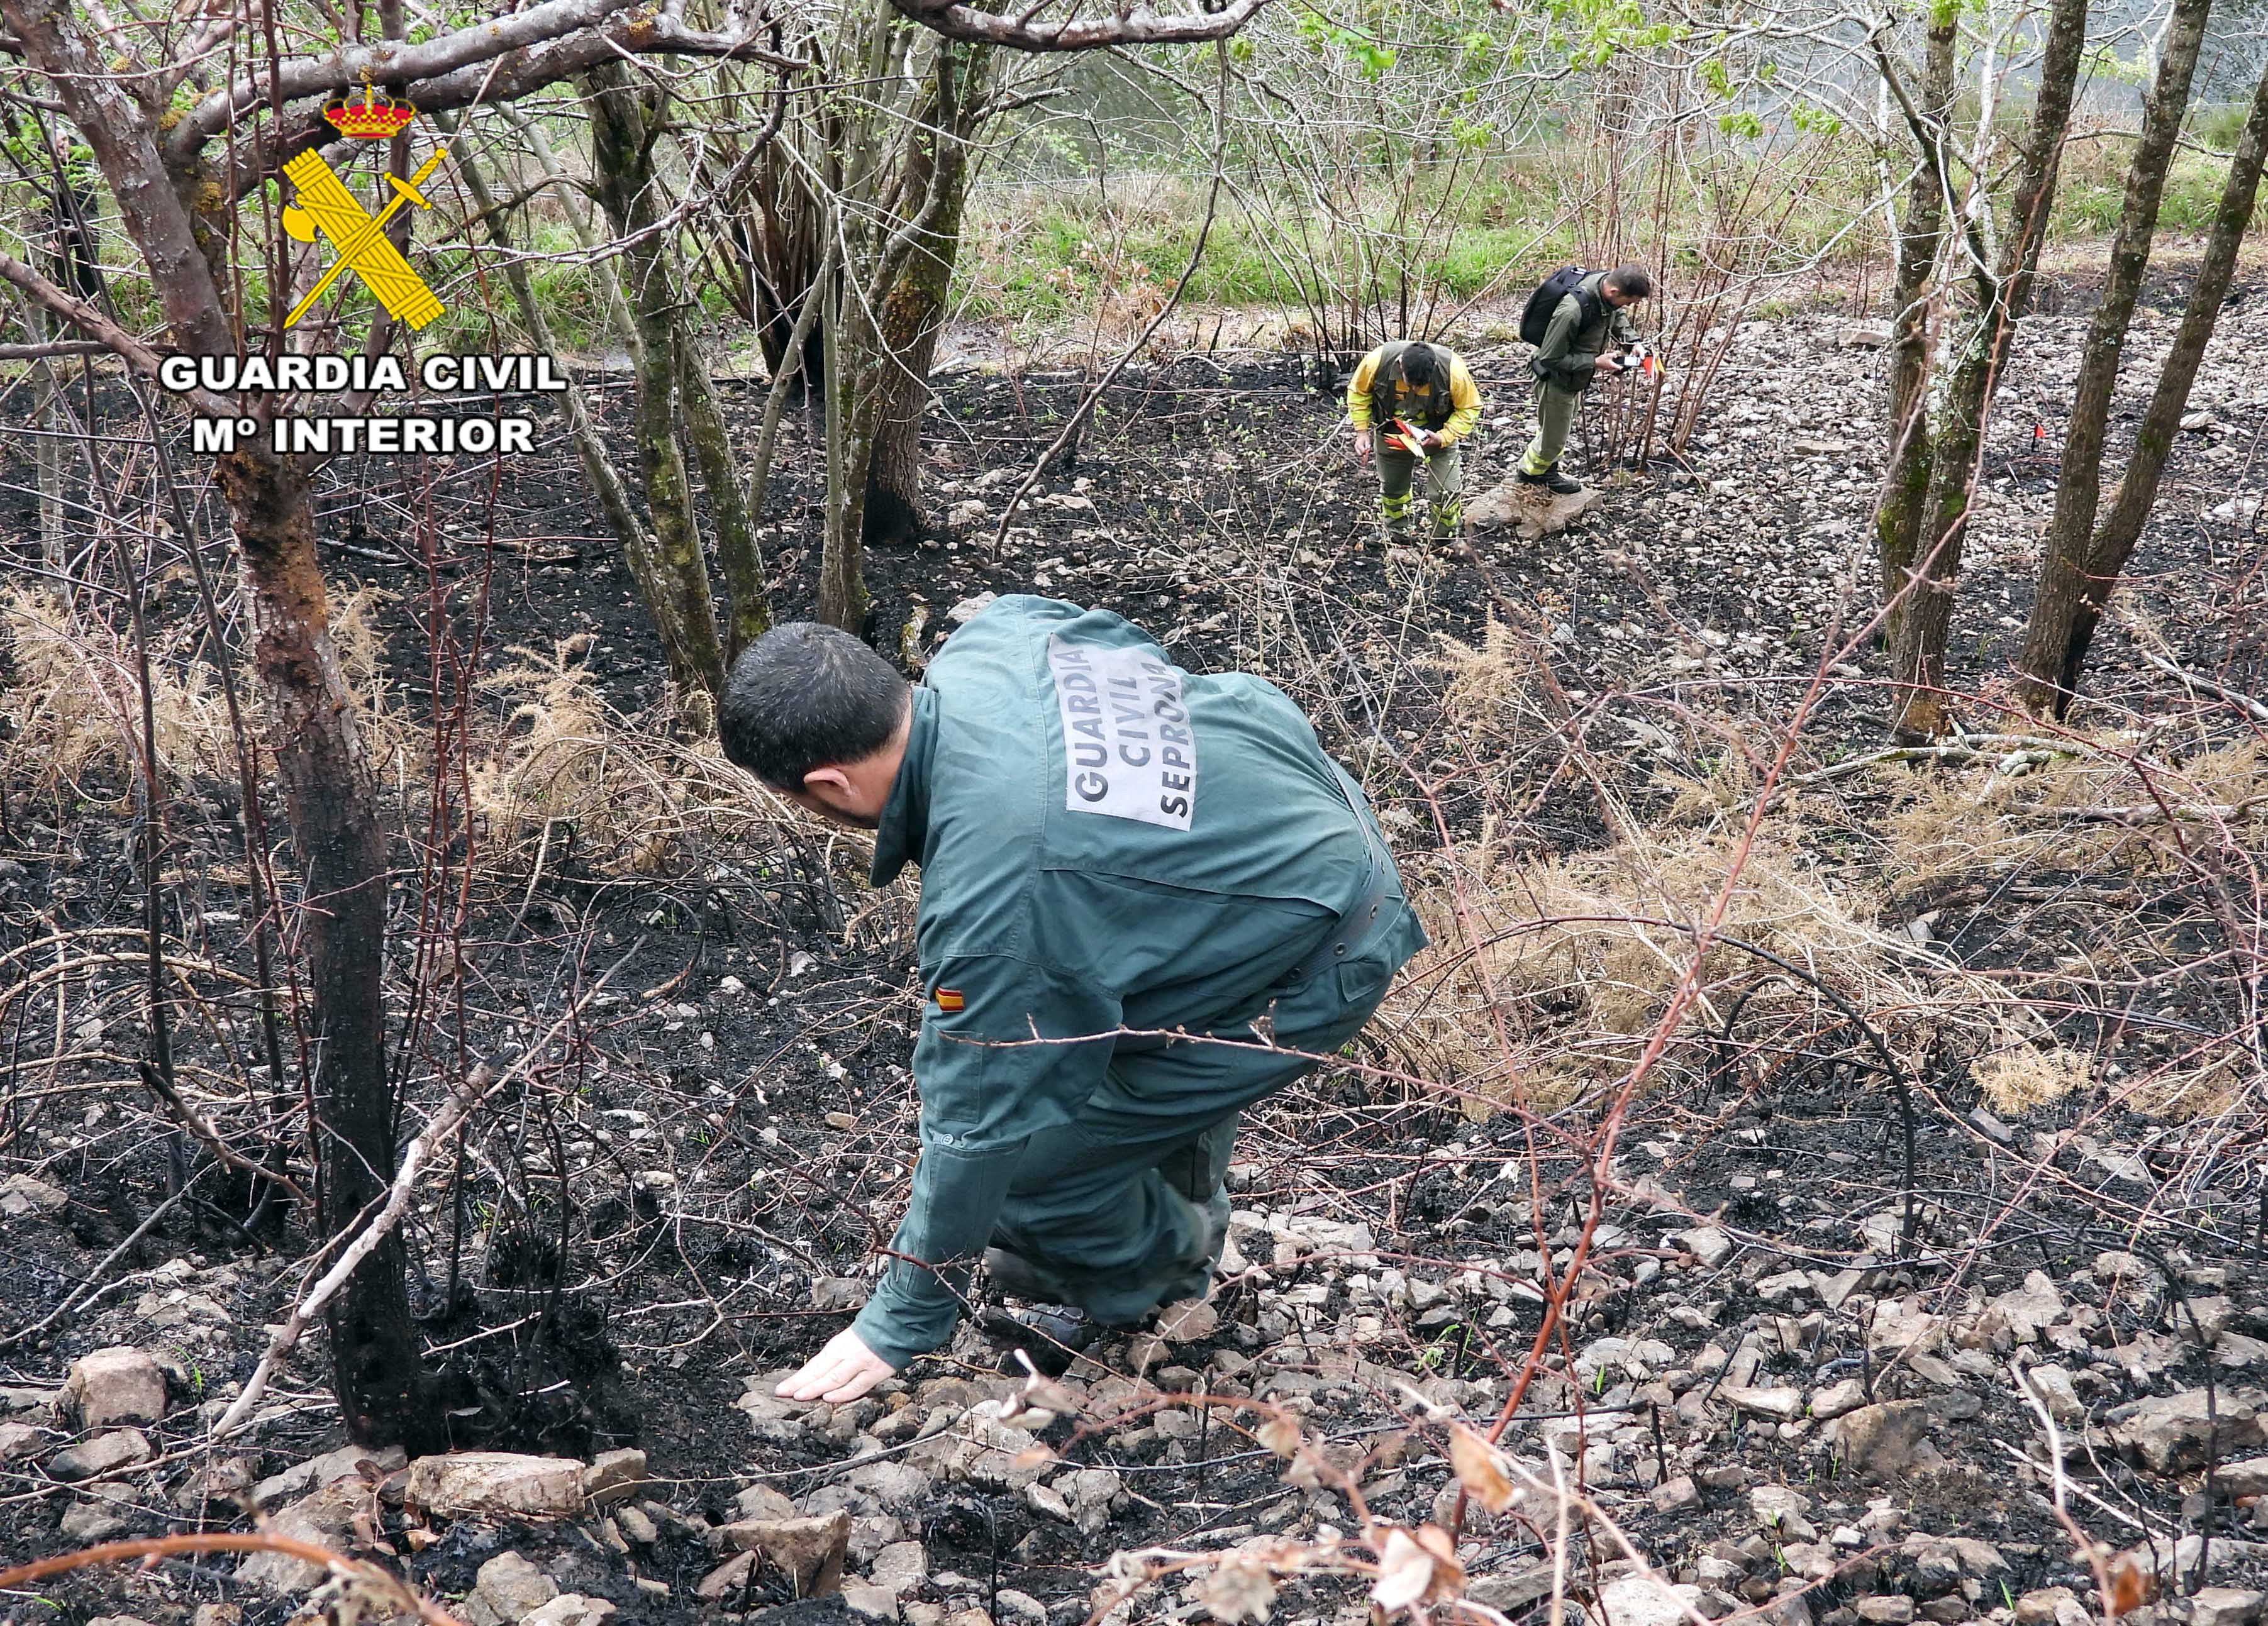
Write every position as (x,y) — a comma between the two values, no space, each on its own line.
(949,1000)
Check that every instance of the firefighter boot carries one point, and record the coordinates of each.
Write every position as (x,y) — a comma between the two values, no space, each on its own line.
(1552,481)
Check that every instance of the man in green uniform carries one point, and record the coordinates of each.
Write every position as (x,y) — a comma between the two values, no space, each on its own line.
(1110,847)
(1430,389)
(1589,325)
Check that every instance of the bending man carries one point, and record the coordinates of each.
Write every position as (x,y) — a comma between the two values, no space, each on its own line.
(1106,843)
(1429,389)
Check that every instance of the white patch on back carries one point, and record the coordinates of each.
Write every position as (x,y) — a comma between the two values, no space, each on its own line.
(1129,751)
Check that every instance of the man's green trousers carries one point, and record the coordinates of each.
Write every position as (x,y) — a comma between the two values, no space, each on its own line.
(1555,415)
(1126,1208)
(1445,488)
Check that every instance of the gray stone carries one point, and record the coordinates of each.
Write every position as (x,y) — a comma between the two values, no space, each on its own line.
(1513,1590)
(330,1467)
(727,1576)
(1880,1441)
(2245,1478)
(1188,1321)
(2226,1606)
(1706,1243)
(497,1482)
(2053,1606)
(1638,1601)
(1839,1400)
(981,1449)
(810,1551)
(1886,1609)
(508,1589)
(120,1384)
(2025,1312)
(1676,1495)
(614,1476)
(22,1197)
(570,1609)
(324,1518)
(897,1570)
(635,1527)
(18,1440)
(2061,1396)
(1091,1491)
(1530,510)
(104,1454)
(1781,1405)
(876,1601)
(1785,1512)
(894,1484)
(837,1292)
(2168,1434)
(92,1519)
(1023,1606)
(1048,1502)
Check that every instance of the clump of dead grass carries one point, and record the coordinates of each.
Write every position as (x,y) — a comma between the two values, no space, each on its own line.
(1549,979)
(75,704)
(2027,1069)
(632,798)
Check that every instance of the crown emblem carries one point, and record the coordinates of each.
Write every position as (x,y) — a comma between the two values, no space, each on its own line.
(375,117)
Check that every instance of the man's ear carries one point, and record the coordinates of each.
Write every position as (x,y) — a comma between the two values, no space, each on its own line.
(827,784)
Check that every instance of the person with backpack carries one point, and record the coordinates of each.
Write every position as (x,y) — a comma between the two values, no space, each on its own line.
(1409,400)
(1579,322)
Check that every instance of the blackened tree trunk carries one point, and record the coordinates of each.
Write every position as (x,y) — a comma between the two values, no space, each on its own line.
(329,789)
(2081,564)
(330,799)
(1921,238)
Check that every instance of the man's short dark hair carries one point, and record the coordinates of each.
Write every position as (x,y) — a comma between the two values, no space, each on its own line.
(1634,282)
(1418,365)
(807,695)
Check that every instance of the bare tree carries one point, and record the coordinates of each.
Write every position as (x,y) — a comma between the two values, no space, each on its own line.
(177,193)
(1966,374)
(2082,561)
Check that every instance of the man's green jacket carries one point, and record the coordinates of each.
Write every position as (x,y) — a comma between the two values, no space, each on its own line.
(1106,842)
(1572,346)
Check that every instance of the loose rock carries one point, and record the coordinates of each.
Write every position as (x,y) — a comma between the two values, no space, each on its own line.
(118,1385)
(509,1589)
(810,1551)
(104,1454)
(497,1482)
(21,1197)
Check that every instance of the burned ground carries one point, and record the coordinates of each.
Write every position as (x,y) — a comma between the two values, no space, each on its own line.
(670,1200)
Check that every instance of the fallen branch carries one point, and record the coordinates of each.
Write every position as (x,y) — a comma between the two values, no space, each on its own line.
(391,1596)
(2204,685)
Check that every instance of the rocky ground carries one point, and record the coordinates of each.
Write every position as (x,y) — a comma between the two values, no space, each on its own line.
(1768,1389)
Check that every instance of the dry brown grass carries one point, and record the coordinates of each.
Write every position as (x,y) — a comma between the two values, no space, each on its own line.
(640,801)
(75,709)
(76,703)
(1578,958)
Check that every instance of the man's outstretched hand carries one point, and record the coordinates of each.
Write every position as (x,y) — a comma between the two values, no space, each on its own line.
(839,1373)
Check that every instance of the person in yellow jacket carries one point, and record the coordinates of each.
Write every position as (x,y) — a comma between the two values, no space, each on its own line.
(1428,390)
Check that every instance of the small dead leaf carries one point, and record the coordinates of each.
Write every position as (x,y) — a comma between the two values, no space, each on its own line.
(1479,1468)
(1240,1592)
(1281,1436)
(1405,1573)
(2132,1586)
